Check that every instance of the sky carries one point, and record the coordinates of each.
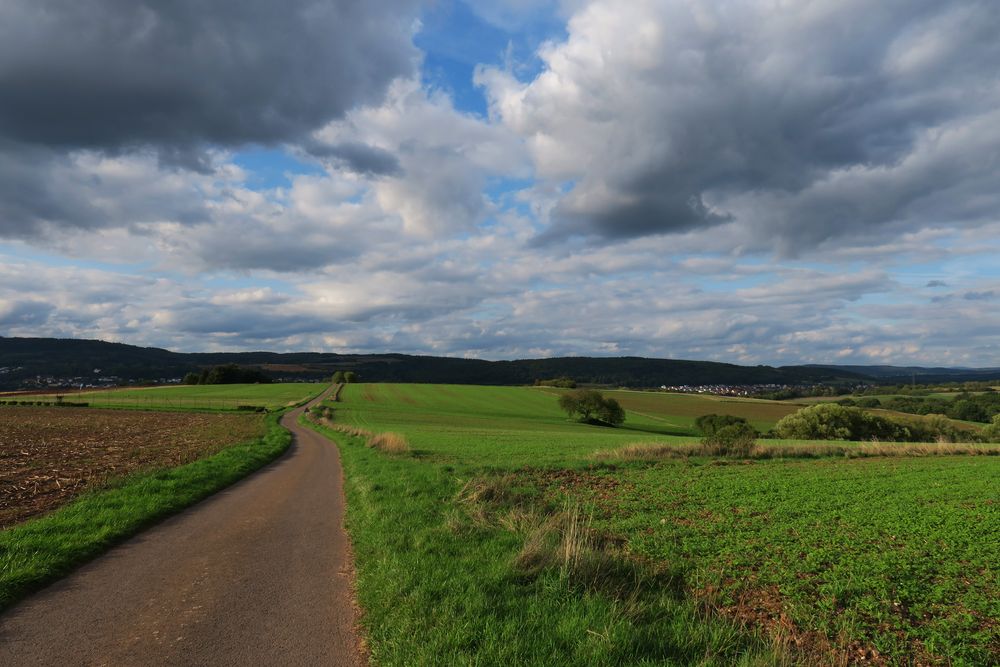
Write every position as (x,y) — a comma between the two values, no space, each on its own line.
(749,181)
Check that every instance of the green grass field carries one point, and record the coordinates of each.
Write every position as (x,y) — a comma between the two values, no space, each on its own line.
(191,397)
(500,540)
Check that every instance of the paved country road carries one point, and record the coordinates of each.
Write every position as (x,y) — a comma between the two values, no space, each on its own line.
(258,574)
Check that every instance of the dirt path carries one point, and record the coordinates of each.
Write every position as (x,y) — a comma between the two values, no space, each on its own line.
(258,574)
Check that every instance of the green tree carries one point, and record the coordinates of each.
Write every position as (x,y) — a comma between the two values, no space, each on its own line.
(338,377)
(590,405)
(350,377)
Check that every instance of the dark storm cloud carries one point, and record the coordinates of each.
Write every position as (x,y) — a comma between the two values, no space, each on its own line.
(24,313)
(249,323)
(359,158)
(172,80)
(175,74)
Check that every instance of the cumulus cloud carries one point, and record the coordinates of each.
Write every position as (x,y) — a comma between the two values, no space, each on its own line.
(799,123)
(443,158)
(106,105)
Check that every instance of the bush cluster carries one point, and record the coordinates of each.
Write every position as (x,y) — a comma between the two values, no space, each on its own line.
(829,421)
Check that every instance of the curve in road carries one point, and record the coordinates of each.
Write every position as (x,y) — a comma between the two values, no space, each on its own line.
(258,574)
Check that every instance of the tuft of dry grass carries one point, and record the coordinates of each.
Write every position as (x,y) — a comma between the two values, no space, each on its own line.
(646,451)
(352,431)
(659,451)
(390,443)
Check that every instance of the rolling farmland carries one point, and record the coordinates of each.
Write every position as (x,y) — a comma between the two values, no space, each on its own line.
(186,397)
(502,520)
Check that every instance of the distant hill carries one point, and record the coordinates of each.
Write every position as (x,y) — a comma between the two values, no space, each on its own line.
(923,375)
(26,358)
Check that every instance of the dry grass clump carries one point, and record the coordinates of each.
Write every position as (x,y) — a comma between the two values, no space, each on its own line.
(484,497)
(352,431)
(560,539)
(566,542)
(646,451)
(493,490)
(390,443)
(658,451)
(942,448)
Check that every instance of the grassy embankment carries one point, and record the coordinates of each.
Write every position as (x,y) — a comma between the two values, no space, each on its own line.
(499,539)
(41,550)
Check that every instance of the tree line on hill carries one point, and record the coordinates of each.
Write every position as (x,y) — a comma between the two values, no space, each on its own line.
(28,358)
(227,374)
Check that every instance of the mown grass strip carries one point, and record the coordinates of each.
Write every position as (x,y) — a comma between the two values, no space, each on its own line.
(40,551)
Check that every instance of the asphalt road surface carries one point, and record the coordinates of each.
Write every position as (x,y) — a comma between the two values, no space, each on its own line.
(258,574)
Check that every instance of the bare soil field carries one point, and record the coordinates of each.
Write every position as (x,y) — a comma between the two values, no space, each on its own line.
(48,456)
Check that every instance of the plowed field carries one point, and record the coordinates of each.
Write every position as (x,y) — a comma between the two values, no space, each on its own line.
(50,455)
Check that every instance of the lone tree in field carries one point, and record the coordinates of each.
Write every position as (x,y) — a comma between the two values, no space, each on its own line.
(590,405)
(338,377)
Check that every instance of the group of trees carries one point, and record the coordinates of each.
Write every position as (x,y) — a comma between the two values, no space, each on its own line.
(963,406)
(592,407)
(344,377)
(562,382)
(829,421)
(228,374)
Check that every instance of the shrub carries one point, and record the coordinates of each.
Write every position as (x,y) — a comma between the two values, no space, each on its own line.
(992,432)
(710,424)
(827,421)
(738,439)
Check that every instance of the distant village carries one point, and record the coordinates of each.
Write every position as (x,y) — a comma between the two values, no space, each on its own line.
(96,381)
(729,389)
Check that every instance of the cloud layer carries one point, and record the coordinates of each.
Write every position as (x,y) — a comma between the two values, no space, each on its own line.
(746,181)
